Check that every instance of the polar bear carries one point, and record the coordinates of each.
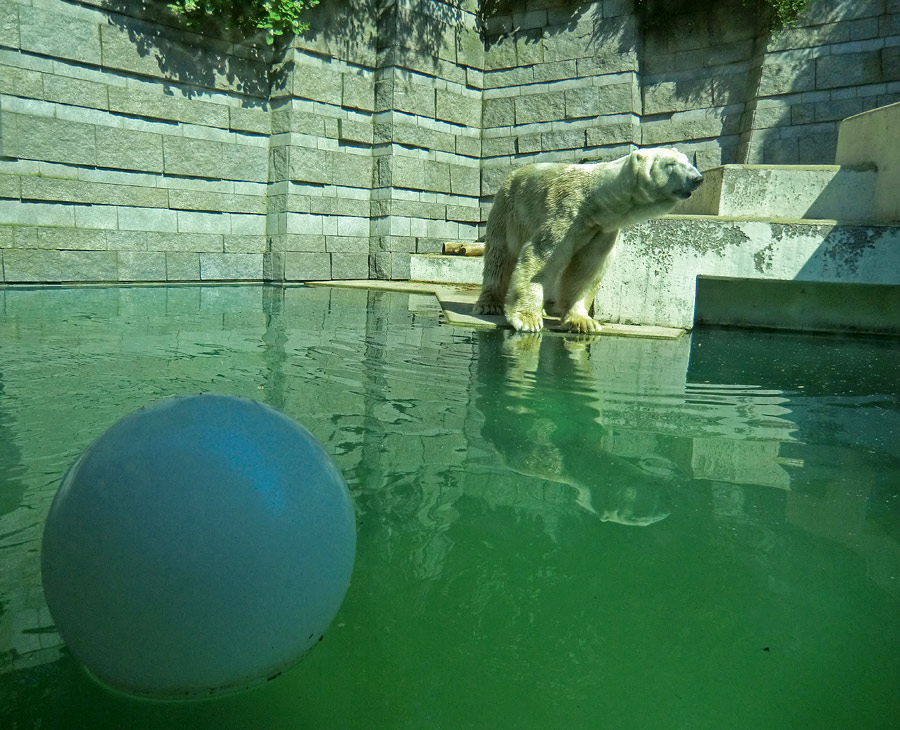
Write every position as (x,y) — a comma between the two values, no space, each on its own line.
(553,226)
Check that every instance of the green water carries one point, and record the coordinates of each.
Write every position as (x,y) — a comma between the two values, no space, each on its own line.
(553,534)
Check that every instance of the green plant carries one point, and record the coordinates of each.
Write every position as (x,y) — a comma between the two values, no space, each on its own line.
(274,17)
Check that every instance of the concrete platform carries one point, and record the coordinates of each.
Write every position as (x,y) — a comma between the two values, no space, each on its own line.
(810,192)
(456,303)
(652,281)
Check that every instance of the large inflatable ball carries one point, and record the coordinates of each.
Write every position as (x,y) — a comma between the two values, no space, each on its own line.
(200,545)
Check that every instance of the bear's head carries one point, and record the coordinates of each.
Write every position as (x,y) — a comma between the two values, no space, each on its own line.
(665,173)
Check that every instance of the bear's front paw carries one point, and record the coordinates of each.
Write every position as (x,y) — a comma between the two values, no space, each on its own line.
(581,324)
(525,321)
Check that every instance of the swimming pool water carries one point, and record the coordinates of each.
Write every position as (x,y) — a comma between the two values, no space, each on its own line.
(552,533)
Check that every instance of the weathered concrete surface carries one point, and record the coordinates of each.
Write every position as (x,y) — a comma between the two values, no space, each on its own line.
(873,138)
(784,191)
(652,280)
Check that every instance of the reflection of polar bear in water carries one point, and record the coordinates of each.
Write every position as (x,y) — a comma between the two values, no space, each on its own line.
(552,433)
(552,228)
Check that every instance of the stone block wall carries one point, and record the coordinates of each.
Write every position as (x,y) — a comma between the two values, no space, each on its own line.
(427,131)
(561,83)
(134,150)
(842,58)
(122,160)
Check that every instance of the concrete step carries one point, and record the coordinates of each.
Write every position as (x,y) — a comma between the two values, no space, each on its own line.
(441,269)
(811,192)
(653,279)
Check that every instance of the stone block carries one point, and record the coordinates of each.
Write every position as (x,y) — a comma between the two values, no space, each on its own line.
(104,217)
(168,107)
(468,146)
(351,130)
(547,107)
(9,186)
(250,119)
(309,243)
(675,96)
(192,157)
(36,266)
(142,266)
(581,103)
(684,126)
(317,84)
(890,63)
(245,243)
(127,240)
(245,162)
(70,239)
(413,97)
(457,108)
(7,237)
(351,226)
(147,219)
(499,112)
(129,149)
(196,222)
(436,176)
(407,172)
(492,178)
(521,76)
(464,213)
(305,224)
(37,214)
(309,165)
(78,92)
(787,78)
(121,52)
(528,143)
(563,139)
(216,202)
(9,25)
(185,242)
(231,266)
(781,151)
(848,69)
(352,170)
(500,54)
(49,33)
(350,265)
(245,224)
(48,139)
(614,137)
(80,191)
(307,266)
(23,82)
(498,146)
(358,92)
(182,266)
(345,244)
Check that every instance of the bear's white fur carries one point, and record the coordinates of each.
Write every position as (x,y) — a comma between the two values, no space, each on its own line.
(553,226)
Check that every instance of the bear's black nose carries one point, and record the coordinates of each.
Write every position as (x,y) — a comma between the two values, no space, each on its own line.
(695,181)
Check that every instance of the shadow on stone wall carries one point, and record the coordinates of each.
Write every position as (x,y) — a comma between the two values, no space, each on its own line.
(152,41)
(499,21)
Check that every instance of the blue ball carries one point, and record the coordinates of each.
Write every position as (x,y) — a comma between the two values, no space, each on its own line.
(200,545)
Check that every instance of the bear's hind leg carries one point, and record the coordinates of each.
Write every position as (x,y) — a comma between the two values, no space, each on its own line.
(499,263)
(499,259)
(525,299)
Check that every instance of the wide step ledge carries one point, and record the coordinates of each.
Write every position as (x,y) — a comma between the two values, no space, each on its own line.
(806,192)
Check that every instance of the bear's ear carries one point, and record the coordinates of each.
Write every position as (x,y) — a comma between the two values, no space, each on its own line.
(640,155)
